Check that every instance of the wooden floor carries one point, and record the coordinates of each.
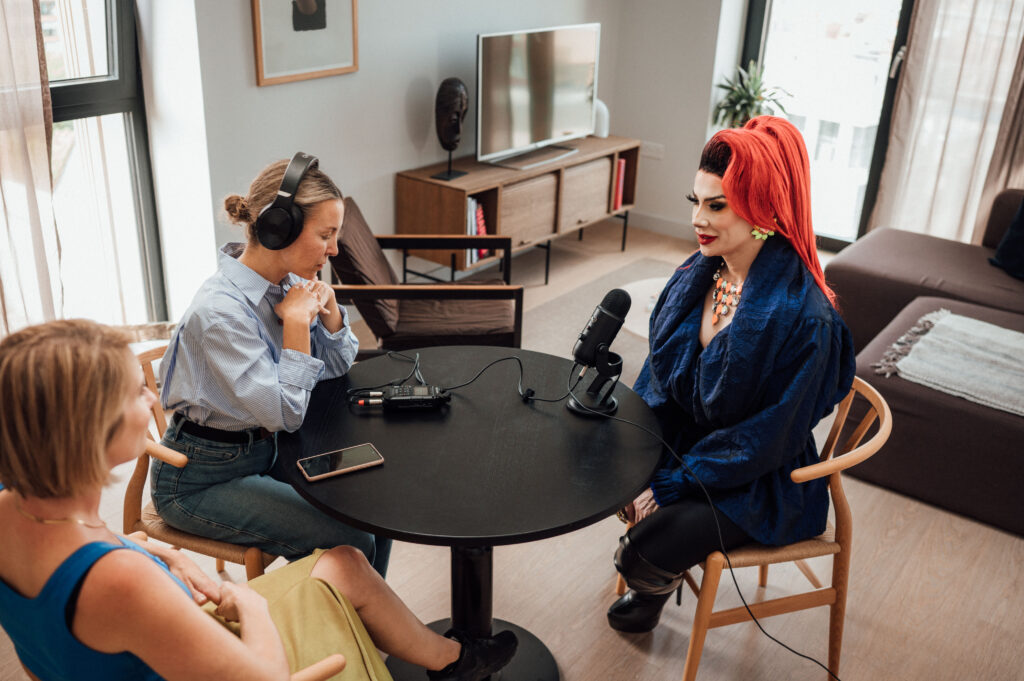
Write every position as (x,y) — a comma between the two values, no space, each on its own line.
(932,595)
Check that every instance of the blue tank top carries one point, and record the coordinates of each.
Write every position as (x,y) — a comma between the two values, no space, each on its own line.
(40,627)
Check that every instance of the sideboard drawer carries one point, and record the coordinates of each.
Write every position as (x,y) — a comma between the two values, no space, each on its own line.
(528,209)
(585,193)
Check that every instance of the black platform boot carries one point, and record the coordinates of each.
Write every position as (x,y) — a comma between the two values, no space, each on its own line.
(640,608)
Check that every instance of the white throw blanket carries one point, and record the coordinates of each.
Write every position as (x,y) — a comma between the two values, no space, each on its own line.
(965,357)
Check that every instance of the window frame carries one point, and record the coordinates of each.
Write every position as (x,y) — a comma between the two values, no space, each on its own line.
(755,31)
(120,91)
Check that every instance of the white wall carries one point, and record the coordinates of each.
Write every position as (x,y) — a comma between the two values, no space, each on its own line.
(666,65)
(658,63)
(364,126)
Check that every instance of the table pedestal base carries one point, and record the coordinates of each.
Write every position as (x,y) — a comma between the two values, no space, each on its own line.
(532,662)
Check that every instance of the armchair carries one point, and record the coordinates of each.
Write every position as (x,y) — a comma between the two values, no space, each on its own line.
(405,316)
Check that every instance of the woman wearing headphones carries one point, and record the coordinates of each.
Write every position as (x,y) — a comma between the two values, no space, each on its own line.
(258,336)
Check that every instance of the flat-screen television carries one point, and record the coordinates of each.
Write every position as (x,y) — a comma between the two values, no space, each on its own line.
(535,88)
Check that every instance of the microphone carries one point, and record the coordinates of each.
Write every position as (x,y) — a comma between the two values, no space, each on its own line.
(591,350)
(604,324)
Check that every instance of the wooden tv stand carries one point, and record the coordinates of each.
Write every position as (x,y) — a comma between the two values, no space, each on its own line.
(533,206)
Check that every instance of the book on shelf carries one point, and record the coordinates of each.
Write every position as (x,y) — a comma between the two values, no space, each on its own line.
(620,181)
(481,230)
(471,205)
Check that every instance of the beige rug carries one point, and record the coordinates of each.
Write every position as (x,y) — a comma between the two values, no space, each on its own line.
(554,326)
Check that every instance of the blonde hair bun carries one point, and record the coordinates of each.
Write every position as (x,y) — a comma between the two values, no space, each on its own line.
(238,210)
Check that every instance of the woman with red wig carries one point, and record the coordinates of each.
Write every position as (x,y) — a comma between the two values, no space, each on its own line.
(747,354)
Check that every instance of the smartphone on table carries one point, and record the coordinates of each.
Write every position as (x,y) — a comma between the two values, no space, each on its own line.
(346,460)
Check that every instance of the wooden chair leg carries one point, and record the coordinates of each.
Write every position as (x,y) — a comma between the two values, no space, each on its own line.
(253,563)
(762,575)
(808,573)
(219,565)
(620,586)
(702,617)
(837,611)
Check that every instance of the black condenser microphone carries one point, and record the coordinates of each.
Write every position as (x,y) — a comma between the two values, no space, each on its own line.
(604,324)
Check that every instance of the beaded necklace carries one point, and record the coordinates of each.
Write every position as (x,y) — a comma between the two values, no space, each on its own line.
(726,296)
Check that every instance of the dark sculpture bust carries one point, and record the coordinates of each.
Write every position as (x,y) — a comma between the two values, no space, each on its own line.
(449,112)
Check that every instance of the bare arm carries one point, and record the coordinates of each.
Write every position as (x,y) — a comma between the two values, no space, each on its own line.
(127,603)
(198,582)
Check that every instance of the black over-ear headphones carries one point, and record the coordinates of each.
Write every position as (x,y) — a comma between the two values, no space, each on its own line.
(280,223)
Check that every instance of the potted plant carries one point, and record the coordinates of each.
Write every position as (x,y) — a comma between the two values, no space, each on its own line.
(746,97)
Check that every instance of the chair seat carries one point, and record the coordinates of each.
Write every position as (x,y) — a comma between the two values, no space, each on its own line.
(155,528)
(464,322)
(758,554)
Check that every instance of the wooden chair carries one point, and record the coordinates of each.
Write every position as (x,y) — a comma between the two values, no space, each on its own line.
(405,316)
(145,519)
(836,541)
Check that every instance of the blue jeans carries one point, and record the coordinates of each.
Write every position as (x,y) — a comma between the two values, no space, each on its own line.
(224,493)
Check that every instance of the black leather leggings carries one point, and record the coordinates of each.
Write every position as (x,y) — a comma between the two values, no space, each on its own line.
(677,537)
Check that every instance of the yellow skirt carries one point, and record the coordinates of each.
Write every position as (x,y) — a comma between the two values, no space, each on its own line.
(315,620)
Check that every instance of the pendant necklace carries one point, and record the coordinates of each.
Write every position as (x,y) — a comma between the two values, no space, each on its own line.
(726,296)
(56,521)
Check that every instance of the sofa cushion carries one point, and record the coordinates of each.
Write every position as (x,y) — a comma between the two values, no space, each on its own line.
(1010,253)
(943,449)
(876,276)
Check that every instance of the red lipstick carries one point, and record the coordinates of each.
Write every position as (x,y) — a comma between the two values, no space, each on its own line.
(705,239)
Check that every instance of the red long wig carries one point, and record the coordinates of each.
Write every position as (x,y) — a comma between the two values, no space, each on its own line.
(768,183)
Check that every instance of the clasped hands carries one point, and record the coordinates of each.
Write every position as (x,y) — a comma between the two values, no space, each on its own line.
(308,299)
(641,507)
(231,599)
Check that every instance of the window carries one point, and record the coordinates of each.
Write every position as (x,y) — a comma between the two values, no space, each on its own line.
(834,59)
(102,185)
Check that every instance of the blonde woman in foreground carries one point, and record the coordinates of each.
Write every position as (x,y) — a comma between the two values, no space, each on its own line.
(81,602)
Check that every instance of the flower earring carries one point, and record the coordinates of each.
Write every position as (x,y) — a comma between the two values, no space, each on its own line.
(762,233)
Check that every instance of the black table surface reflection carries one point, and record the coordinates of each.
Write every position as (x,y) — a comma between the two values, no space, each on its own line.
(486,470)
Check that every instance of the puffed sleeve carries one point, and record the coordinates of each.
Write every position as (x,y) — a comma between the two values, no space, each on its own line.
(813,367)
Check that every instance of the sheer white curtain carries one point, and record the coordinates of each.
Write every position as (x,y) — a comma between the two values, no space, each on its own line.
(30,289)
(960,61)
(1007,167)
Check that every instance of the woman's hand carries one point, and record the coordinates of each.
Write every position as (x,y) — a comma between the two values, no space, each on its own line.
(641,507)
(330,313)
(325,294)
(199,584)
(299,304)
(238,601)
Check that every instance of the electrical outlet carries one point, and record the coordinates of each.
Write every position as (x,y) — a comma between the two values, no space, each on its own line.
(652,150)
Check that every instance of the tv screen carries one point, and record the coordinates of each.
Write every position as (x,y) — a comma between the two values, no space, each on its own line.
(535,88)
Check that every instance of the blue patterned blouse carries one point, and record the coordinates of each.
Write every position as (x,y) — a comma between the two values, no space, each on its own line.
(741,410)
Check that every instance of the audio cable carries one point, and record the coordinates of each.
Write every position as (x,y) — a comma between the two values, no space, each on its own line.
(356,394)
(527,395)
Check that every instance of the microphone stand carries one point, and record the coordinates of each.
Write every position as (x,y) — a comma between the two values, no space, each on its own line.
(593,402)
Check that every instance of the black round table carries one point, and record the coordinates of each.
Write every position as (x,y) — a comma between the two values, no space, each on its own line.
(488,469)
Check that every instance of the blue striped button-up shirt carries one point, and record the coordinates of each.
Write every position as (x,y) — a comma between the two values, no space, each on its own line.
(224,366)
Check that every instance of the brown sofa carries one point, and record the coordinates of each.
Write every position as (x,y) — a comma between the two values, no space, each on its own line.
(880,273)
(944,450)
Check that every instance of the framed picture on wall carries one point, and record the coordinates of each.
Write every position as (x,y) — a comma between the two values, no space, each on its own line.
(304,39)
